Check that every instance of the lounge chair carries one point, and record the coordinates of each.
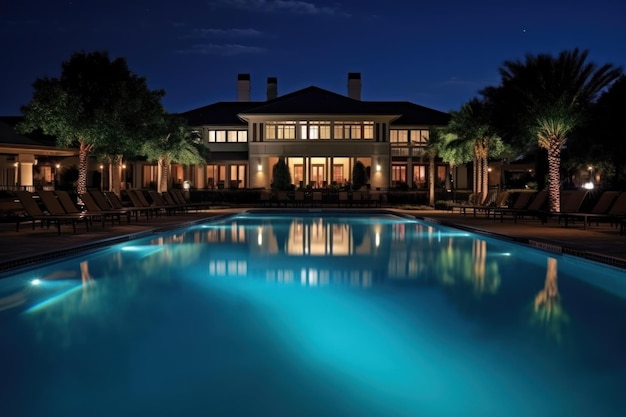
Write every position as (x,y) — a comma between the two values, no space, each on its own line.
(492,200)
(60,203)
(343,198)
(139,200)
(117,203)
(111,214)
(599,210)
(616,215)
(534,209)
(180,198)
(521,202)
(158,201)
(35,213)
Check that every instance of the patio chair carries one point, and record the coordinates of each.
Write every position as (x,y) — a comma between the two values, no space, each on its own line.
(180,198)
(599,211)
(490,201)
(535,207)
(158,201)
(343,198)
(34,213)
(138,199)
(92,207)
(105,204)
(521,202)
(615,216)
(117,203)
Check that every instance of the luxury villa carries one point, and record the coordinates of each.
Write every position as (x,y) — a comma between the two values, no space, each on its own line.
(321,134)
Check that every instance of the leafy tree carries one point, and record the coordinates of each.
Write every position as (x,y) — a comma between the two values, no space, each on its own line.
(472,127)
(453,155)
(173,142)
(281,176)
(549,97)
(96,103)
(359,175)
(431,152)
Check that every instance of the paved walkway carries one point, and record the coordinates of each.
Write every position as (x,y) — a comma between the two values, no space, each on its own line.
(602,243)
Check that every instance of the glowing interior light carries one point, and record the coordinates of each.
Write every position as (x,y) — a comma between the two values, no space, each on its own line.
(378,168)
(259,238)
(377,239)
(36,281)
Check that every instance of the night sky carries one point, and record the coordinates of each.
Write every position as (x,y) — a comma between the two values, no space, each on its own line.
(435,53)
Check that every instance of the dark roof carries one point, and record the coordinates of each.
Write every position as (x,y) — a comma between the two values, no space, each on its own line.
(224,113)
(313,100)
(8,134)
(414,114)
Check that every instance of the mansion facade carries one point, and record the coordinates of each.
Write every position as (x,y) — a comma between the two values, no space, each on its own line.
(320,134)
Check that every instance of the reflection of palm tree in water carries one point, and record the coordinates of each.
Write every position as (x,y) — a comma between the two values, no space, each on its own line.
(547,310)
(86,278)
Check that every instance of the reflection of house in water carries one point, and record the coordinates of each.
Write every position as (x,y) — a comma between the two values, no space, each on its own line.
(306,250)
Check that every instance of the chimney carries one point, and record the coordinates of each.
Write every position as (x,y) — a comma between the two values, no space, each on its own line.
(243,87)
(272,88)
(354,85)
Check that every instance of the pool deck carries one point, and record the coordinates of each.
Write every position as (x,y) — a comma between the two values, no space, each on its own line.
(25,247)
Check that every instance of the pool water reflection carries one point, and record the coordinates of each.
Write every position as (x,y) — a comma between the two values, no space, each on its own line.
(309,315)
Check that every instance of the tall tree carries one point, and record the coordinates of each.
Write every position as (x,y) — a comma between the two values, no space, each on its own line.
(173,142)
(473,128)
(359,175)
(95,103)
(281,177)
(549,97)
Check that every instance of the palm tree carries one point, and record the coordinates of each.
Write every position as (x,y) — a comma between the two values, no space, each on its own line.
(550,95)
(473,128)
(175,144)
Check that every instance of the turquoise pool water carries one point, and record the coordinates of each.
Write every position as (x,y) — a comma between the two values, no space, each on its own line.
(314,315)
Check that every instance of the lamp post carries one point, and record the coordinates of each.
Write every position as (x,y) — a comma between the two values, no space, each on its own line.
(56,174)
(589,184)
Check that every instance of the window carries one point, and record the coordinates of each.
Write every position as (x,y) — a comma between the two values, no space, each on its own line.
(298,174)
(419,137)
(217,136)
(280,130)
(398,173)
(238,176)
(354,130)
(242,136)
(338,174)
(419,176)
(317,175)
(399,136)
(232,136)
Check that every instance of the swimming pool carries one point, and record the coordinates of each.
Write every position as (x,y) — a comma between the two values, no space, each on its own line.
(314,314)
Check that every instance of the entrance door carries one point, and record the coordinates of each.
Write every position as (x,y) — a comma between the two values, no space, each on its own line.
(317,175)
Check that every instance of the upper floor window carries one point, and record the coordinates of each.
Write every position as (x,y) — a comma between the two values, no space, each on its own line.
(319,129)
(314,130)
(280,130)
(222,136)
(402,137)
(354,130)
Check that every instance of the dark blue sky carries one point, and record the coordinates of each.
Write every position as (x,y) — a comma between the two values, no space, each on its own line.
(435,53)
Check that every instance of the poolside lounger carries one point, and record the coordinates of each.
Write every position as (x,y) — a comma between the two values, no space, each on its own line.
(35,213)
(159,201)
(535,207)
(117,203)
(92,207)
